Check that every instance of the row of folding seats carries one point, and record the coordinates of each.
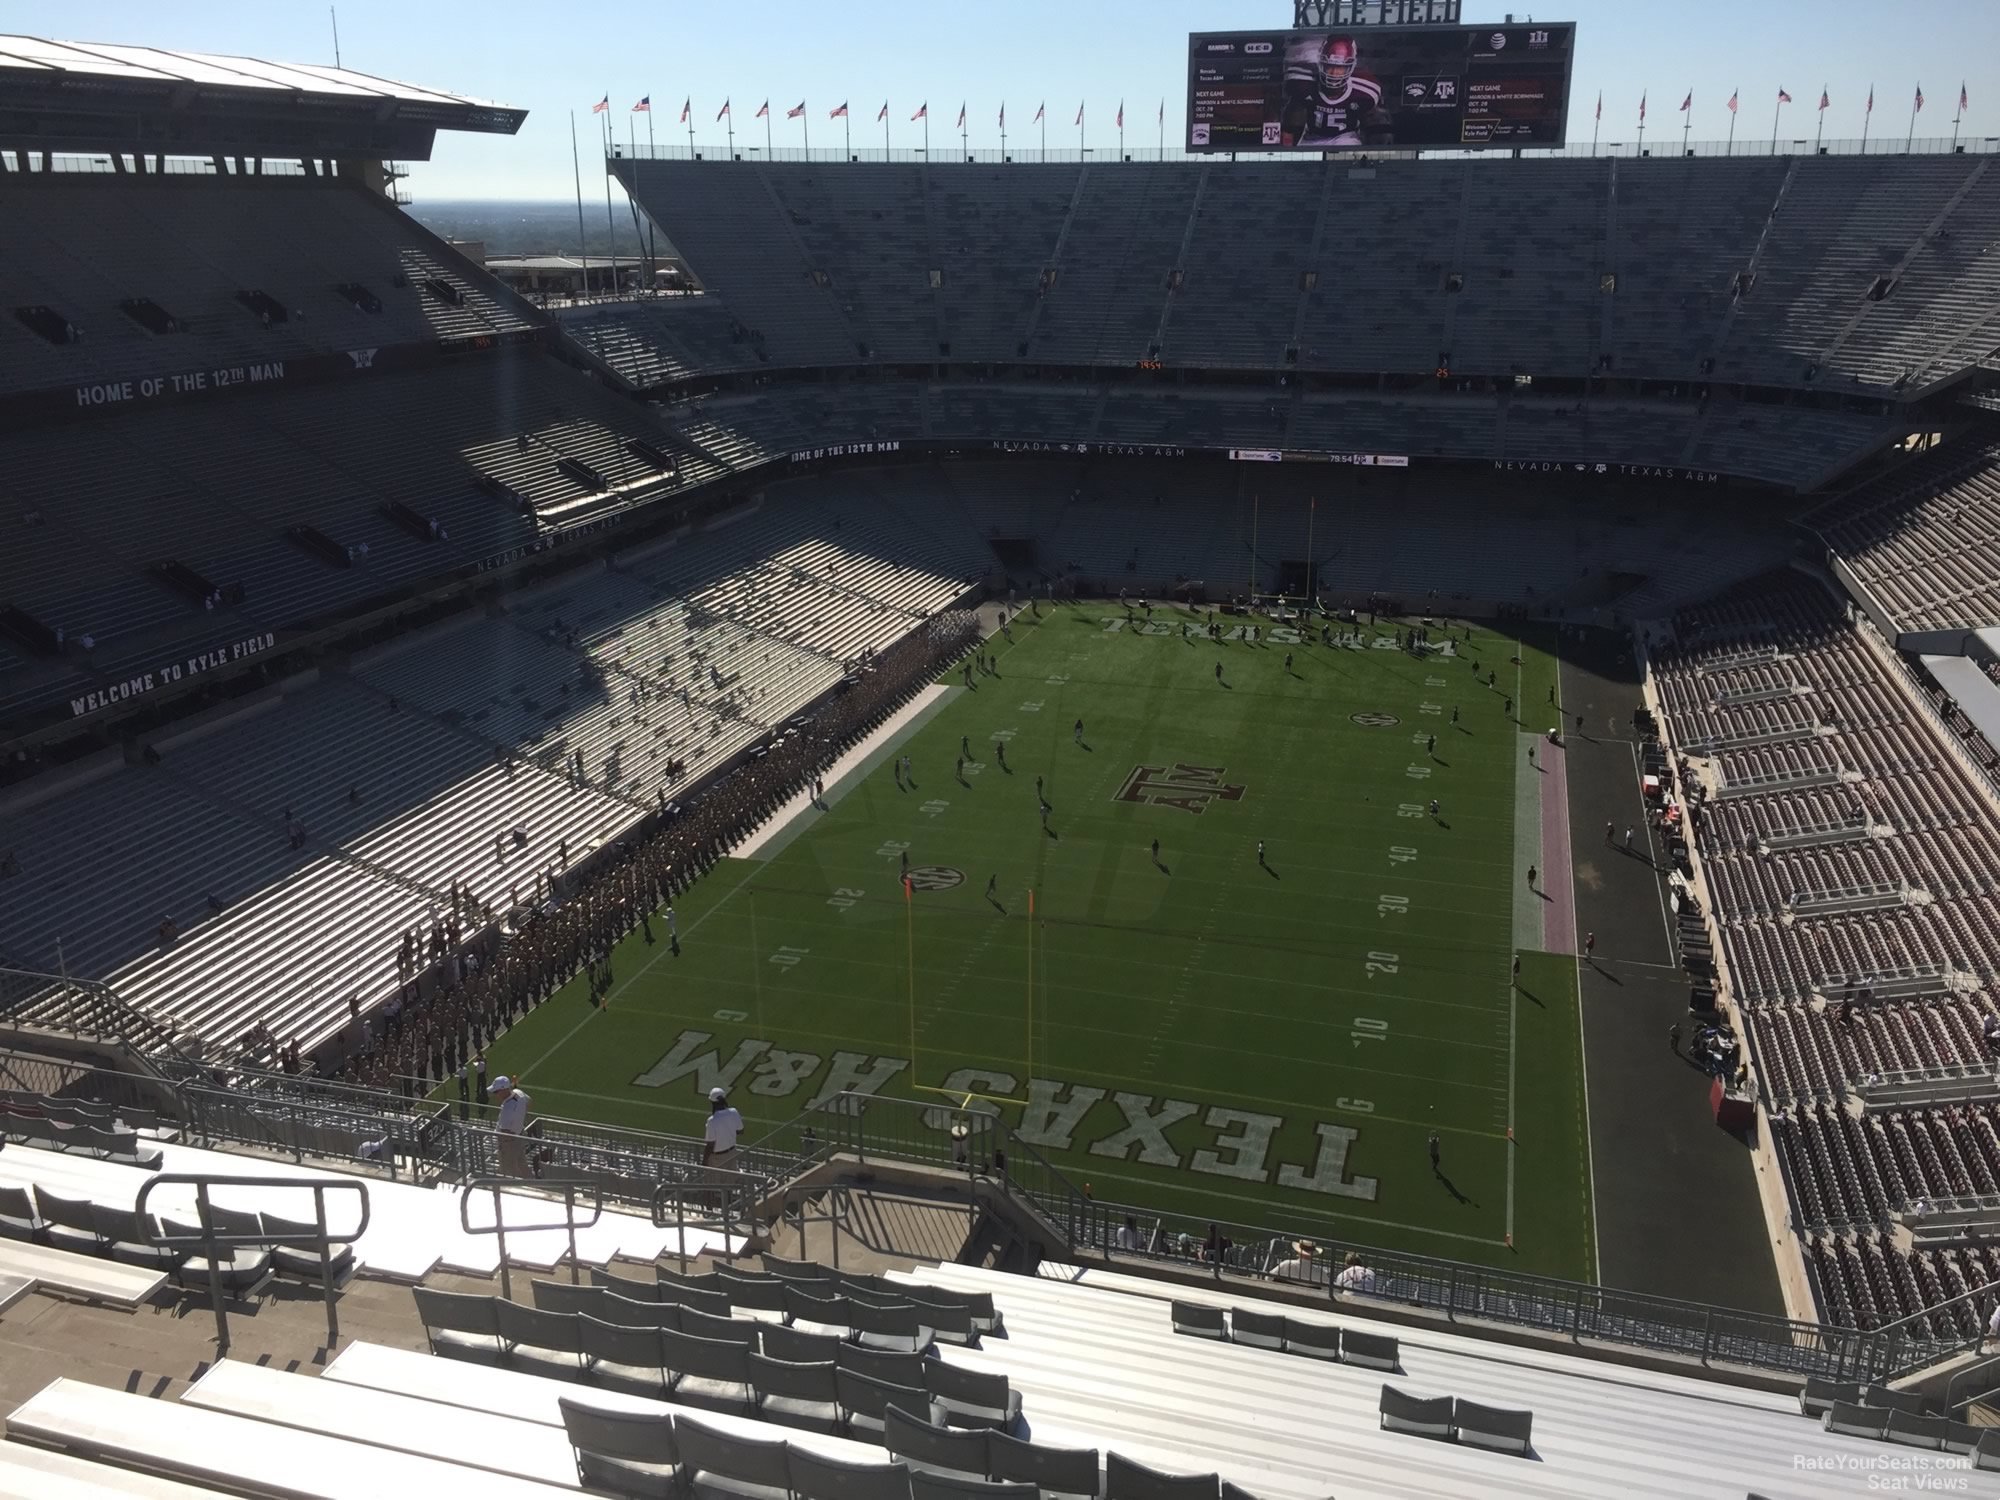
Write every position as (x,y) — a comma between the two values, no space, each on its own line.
(264,1245)
(819,1378)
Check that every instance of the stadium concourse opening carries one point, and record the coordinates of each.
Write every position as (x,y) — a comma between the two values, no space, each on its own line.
(1429,791)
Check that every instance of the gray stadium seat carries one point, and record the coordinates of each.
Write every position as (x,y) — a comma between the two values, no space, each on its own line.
(552,1341)
(624,1358)
(1426,1416)
(19,1219)
(1313,1340)
(1257,1330)
(814,1477)
(1199,1319)
(562,1297)
(928,1446)
(900,1326)
(1857,1421)
(630,1314)
(1492,1427)
(865,1403)
(69,1223)
(708,1372)
(1058,1471)
(720,1463)
(1986,1452)
(1373,1350)
(888,1365)
(638,1289)
(241,1270)
(1818,1396)
(298,1261)
(927,1485)
(800,1347)
(1126,1480)
(625,1453)
(794,1394)
(728,1330)
(460,1323)
(972,1398)
(1918,1432)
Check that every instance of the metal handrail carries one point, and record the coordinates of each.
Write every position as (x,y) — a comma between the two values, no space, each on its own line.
(727,1187)
(499,1227)
(322,1239)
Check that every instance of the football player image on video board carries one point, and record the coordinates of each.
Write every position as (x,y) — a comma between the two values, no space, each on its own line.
(1330,100)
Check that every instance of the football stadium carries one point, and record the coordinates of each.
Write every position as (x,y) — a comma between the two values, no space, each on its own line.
(1308,809)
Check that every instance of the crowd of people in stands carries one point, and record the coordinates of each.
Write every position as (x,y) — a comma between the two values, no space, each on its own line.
(467,977)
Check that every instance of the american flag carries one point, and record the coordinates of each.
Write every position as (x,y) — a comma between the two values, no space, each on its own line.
(722,111)
(1920,98)
(1688,103)
(796,110)
(1038,113)
(839,114)
(883,113)
(644,106)
(1732,101)
(1783,97)
(601,105)
(923,111)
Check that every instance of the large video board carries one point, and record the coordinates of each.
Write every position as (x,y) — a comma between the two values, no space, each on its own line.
(1380,88)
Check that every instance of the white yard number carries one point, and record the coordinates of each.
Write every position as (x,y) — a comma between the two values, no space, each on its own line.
(730,1015)
(1368,1029)
(1401,854)
(1059,679)
(1392,906)
(933,807)
(1409,809)
(1355,1106)
(1004,735)
(787,958)
(1032,708)
(891,849)
(1434,682)
(1430,710)
(1384,963)
(1417,773)
(843,897)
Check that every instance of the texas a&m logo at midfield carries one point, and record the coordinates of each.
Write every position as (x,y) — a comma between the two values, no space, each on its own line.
(1190,788)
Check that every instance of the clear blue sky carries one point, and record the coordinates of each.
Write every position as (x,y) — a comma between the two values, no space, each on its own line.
(552,58)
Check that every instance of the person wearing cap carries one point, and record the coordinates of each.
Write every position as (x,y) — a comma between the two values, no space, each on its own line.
(512,1121)
(720,1135)
(1298,1266)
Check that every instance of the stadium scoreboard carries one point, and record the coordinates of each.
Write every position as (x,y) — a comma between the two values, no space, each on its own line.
(1380,88)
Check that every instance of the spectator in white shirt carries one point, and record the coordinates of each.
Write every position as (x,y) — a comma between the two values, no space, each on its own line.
(1354,1276)
(720,1135)
(1129,1237)
(1299,1266)
(513,1120)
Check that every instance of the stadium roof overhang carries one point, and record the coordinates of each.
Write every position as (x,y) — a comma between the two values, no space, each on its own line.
(103,97)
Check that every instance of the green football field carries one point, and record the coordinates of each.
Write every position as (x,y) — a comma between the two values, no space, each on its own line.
(1258,1043)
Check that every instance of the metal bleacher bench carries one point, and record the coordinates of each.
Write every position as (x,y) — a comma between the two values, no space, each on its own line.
(237,1454)
(79,1275)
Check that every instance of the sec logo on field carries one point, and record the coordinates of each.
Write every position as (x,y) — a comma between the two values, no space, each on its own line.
(935,878)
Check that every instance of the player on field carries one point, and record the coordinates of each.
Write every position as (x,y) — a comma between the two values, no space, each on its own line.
(1079,732)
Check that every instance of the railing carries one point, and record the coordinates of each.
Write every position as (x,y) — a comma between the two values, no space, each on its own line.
(942,153)
(210,1240)
(89,1010)
(705,1197)
(871,1127)
(567,1187)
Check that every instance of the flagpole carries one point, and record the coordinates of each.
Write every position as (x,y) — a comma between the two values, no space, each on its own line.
(1687,124)
(806,129)
(610,224)
(1042,115)
(1820,129)
(885,130)
(1595,122)
(927,130)
(1775,110)
(1957,115)
(729,124)
(649,131)
(1642,125)
(1729,146)
(847,131)
(767,130)
(576,166)
(1867,118)
(1912,134)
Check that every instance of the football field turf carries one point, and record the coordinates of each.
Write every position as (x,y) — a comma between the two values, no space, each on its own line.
(1256,1043)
